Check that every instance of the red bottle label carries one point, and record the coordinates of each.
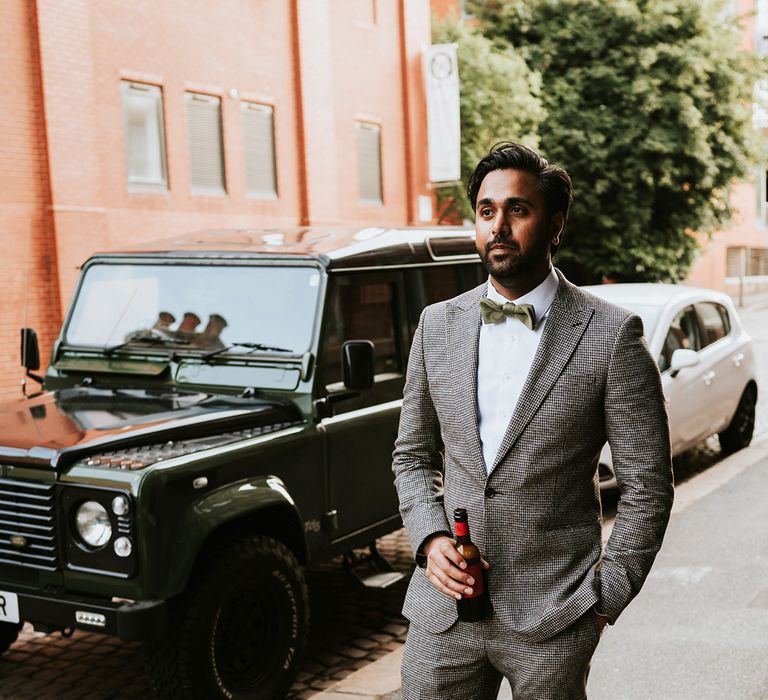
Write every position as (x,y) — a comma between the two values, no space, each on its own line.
(462,529)
(476,572)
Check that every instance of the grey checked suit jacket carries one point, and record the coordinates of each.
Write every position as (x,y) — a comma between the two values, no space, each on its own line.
(592,380)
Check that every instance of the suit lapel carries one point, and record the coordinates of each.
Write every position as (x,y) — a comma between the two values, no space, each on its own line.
(463,335)
(568,319)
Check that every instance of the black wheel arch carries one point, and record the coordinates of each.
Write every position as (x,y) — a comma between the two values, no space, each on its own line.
(281,522)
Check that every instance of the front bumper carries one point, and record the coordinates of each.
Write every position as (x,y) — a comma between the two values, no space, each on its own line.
(56,609)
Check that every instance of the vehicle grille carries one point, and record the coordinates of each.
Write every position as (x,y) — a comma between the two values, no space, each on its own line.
(28,525)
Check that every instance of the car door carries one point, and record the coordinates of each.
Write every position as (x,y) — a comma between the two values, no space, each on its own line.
(717,354)
(361,428)
(687,391)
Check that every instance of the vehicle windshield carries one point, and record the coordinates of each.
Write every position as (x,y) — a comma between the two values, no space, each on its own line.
(194,307)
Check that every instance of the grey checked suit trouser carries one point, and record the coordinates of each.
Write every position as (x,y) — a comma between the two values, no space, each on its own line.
(536,516)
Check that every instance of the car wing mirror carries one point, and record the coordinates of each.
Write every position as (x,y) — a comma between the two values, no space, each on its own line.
(30,350)
(682,358)
(357,364)
(30,356)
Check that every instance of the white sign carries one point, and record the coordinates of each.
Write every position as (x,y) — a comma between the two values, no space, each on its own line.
(9,607)
(441,80)
(425,207)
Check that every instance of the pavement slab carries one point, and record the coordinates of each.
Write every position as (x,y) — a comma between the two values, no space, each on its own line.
(698,629)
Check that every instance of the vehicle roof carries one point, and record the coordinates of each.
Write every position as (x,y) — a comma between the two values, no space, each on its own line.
(653,294)
(333,246)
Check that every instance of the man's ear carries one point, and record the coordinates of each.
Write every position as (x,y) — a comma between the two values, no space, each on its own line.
(557,222)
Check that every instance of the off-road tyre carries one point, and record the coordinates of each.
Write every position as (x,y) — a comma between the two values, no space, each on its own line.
(240,629)
(9,633)
(738,434)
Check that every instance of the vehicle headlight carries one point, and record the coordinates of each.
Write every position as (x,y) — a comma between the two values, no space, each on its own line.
(92,524)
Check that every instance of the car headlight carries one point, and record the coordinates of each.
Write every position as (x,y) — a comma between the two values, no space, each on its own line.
(92,524)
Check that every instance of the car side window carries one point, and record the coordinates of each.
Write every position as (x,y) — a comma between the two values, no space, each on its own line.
(715,323)
(361,308)
(427,285)
(683,333)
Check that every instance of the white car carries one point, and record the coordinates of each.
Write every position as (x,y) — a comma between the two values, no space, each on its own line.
(706,361)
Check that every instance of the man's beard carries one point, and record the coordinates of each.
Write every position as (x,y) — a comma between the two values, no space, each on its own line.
(507,268)
(515,263)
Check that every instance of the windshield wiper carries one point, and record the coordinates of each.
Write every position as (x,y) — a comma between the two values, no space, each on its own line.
(144,337)
(251,346)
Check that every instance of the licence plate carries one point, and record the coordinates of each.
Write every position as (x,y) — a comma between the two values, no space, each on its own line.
(9,607)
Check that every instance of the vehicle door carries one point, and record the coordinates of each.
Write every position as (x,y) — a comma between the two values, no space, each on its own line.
(361,429)
(717,354)
(687,391)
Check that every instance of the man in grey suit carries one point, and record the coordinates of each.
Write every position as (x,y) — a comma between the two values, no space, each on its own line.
(512,390)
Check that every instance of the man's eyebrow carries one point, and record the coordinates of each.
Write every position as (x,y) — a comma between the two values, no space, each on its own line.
(508,201)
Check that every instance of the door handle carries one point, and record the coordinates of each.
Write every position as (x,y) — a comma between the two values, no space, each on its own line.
(738,359)
(708,377)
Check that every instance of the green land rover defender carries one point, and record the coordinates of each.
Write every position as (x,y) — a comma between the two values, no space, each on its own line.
(219,412)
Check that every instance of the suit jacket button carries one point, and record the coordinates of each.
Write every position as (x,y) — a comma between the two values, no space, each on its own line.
(490,492)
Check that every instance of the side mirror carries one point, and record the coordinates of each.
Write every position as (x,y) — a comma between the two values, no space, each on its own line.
(682,358)
(357,364)
(30,350)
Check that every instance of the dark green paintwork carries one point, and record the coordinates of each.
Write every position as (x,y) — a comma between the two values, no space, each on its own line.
(285,484)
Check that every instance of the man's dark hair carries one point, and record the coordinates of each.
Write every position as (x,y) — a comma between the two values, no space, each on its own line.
(553,182)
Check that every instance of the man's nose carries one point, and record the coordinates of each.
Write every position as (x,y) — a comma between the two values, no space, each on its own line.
(501,225)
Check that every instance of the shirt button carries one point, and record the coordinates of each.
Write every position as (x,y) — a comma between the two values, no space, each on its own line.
(490,492)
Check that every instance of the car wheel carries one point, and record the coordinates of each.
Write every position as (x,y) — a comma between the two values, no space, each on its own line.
(9,633)
(738,434)
(240,629)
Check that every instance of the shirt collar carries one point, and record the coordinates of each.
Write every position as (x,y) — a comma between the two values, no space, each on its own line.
(540,297)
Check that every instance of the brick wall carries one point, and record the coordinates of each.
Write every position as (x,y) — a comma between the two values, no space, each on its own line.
(61,126)
(28,272)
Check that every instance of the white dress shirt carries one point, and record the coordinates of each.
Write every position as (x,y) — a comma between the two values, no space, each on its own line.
(505,356)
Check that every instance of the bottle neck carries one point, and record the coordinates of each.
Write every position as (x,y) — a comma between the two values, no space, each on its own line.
(462,531)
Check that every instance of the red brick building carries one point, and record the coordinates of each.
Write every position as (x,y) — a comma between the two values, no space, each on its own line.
(129,121)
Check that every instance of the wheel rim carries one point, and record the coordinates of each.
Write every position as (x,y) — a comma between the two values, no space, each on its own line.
(251,637)
(745,423)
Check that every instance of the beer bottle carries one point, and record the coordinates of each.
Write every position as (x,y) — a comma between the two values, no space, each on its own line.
(472,608)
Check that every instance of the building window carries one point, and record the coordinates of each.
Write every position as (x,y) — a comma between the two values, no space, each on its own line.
(761,26)
(761,195)
(259,140)
(747,262)
(144,138)
(369,163)
(206,148)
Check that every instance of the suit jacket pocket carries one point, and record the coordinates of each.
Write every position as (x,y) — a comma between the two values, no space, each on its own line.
(574,403)
(426,607)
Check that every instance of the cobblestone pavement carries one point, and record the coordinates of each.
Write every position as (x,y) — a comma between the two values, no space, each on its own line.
(351,626)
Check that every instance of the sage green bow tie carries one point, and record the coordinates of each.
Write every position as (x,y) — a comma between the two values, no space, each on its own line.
(493,312)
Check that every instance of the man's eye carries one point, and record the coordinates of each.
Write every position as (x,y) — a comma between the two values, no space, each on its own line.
(517,210)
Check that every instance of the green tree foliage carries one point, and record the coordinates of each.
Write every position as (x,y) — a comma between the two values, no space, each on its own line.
(498,101)
(649,106)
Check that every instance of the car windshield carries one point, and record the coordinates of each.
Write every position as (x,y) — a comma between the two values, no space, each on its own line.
(195,307)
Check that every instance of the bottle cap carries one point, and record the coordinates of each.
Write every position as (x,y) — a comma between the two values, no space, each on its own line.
(460,515)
